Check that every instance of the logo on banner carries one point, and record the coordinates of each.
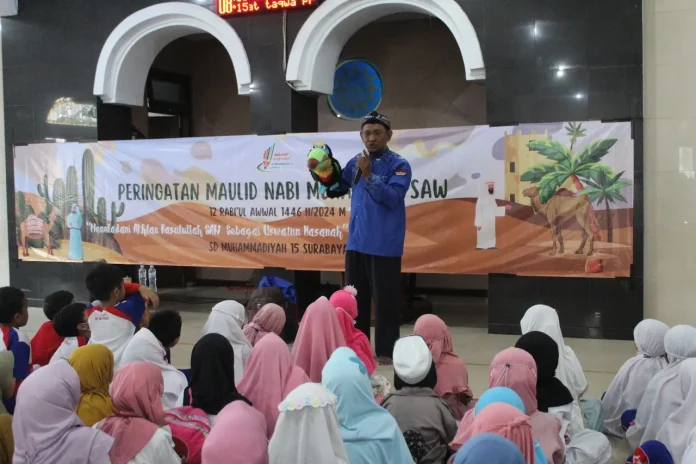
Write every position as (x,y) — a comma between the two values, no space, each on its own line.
(272,161)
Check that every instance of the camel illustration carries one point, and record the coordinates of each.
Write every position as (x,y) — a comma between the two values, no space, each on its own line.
(34,228)
(560,208)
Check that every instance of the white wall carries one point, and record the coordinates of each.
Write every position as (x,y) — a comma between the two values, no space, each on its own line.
(669,53)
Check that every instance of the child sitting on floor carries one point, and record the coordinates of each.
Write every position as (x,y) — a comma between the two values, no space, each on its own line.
(415,406)
(452,374)
(119,308)
(150,344)
(346,305)
(14,314)
(46,341)
(71,324)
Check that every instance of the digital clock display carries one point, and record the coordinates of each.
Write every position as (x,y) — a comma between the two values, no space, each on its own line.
(241,7)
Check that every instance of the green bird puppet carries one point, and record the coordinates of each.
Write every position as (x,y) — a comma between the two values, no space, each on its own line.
(324,168)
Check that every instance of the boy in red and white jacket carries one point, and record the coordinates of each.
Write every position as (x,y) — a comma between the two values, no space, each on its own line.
(118,310)
(71,324)
(46,341)
(14,313)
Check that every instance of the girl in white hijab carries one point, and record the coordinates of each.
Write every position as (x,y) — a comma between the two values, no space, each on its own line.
(690,454)
(542,318)
(663,393)
(674,433)
(227,318)
(628,387)
(307,430)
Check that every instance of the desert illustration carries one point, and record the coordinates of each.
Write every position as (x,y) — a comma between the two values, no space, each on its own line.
(555,205)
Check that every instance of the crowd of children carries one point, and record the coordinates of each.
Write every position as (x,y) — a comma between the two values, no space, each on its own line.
(95,385)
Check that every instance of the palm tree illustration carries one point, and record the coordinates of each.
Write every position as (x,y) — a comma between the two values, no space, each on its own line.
(605,188)
(567,164)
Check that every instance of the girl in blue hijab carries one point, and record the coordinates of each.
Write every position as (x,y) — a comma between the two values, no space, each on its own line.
(370,433)
(489,448)
(508,396)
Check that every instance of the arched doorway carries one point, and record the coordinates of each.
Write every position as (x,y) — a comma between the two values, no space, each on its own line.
(131,48)
(316,49)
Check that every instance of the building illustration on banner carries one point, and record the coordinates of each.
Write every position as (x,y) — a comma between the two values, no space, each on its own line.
(545,199)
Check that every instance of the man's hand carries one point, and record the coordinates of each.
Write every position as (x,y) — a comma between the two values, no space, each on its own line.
(364,164)
(149,295)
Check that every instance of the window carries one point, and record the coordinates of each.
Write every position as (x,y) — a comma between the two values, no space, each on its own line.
(66,112)
(512,166)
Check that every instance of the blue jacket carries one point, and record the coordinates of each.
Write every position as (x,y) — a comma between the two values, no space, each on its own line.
(378,209)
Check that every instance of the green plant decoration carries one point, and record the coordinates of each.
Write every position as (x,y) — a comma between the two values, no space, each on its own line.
(605,188)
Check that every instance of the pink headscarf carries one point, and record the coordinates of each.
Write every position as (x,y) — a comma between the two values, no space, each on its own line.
(347,311)
(270,319)
(452,375)
(237,437)
(45,425)
(269,376)
(318,336)
(516,369)
(508,422)
(136,393)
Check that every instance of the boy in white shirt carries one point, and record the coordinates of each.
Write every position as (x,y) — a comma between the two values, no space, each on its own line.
(118,310)
(150,344)
(71,323)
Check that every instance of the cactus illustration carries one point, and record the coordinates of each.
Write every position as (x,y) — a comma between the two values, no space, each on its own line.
(88,189)
(43,192)
(59,204)
(116,214)
(59,194)
(21,207)
(101,212)
(71,193)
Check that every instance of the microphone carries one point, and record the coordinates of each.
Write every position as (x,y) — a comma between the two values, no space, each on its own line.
(358,174)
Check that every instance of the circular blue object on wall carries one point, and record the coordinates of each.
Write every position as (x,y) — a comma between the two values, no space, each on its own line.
(357,89)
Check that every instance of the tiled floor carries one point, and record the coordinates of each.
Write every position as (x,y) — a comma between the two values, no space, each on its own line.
(600,359)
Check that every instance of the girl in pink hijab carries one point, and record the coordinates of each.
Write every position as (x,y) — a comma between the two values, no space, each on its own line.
(317,338)
(136,393)
(270,319)
(516,369)
(508,422)
(45,427)
(347,311)
(269,376)
(452,375)
(237,437)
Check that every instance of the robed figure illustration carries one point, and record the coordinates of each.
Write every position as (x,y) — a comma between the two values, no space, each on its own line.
(486,212)
(75,226)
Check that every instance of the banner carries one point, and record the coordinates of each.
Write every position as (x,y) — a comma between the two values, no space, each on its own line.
(482,199)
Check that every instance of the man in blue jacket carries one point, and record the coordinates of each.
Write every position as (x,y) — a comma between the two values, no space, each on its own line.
(380,179)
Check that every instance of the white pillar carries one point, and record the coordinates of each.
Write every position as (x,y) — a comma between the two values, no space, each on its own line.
(669,60)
